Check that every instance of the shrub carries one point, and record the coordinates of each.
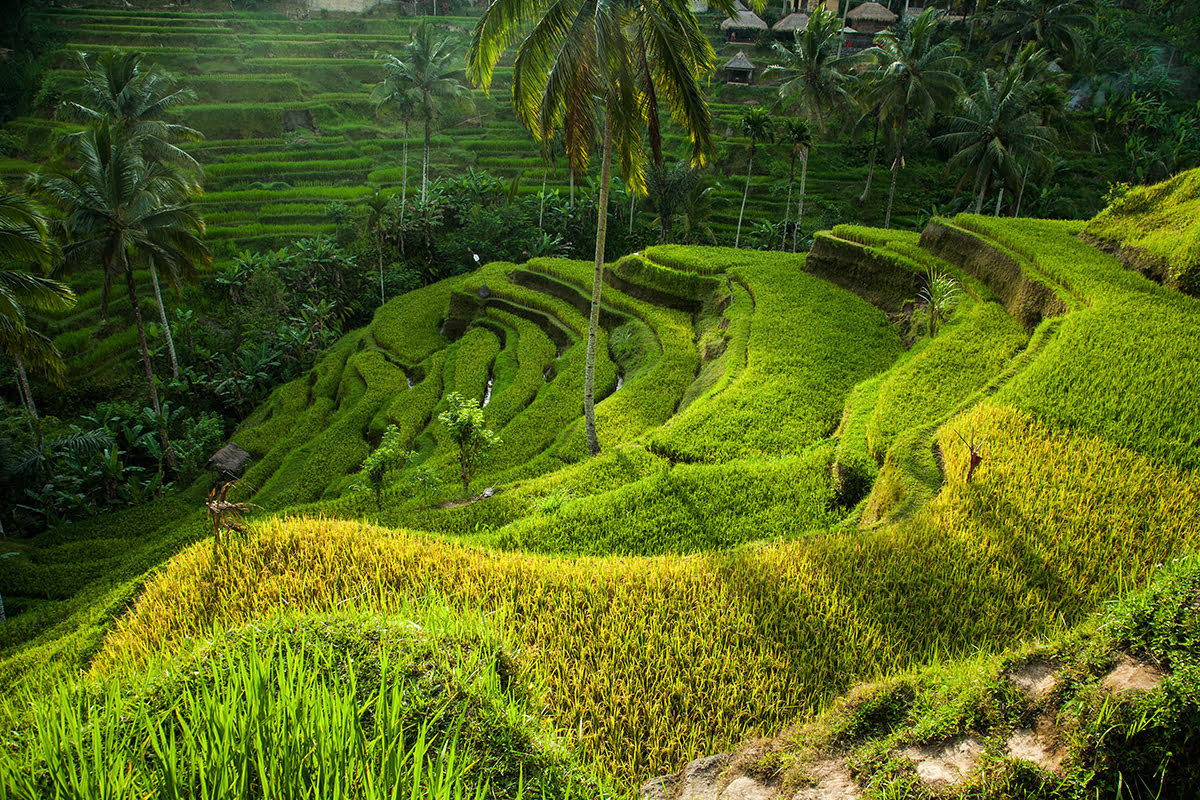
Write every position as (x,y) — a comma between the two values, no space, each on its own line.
(464,421)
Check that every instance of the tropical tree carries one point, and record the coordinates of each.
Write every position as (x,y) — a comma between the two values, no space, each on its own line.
(118,208)
(427,77)
(912,75)
(755,126)
(1057,25)
(996,132)
(135,98)
(798,134)
(578,69)
(813,81)
(667,192)
(697,210)
(395,93)
(377,204)
(464,420)
(24,245)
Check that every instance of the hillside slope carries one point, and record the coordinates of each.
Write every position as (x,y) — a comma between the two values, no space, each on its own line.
(712,575)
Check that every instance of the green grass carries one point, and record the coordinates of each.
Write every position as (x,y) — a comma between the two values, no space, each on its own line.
(1158,229)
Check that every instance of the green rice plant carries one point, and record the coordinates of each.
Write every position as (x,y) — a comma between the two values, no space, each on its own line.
(1095,365)
(534,354)
(333,707)
(1157,229)
(799,367)
(473,358)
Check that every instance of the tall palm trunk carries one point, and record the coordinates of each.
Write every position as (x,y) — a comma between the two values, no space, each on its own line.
(379,252)
(871,165)
(162,315)
(800,206)
(35,422)
(1021,194)
(425,162)
(999,200)
(982,191)
(404,182)
(589,375)
(887,218)
(787,207)
(141,329)
(749,168)
(542,202)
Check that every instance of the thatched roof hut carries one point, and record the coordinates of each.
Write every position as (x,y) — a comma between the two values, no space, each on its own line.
(792,23)
(745,22)
(871,17)
(739,69)
(230,461)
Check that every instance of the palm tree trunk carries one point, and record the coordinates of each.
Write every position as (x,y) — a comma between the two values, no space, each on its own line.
(35,423)
(787,207)
(887,218)
(379,250)
(589,375)
(542,204)
(999,200)
(425,162)
(749,167)
(841,31)
(800,206)
(162,315)
(571,177)
(982,191)
(871,165)
(141,329)
(404,179)
(1021,194)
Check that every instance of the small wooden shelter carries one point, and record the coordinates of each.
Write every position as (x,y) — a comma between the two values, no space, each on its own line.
(744,25)
(739,69)
(229,462)
(870,17)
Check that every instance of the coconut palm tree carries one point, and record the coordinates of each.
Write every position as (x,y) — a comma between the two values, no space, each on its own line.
(577,71)
(135,99)
(120,208)
(912,75)
(395,93)
(425,79)
(996,132)
(1057,25)
(798,134)
(24,245)
(813,81)
(756,126)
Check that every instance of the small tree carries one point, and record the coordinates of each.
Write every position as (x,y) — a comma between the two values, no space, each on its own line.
(941,294)
(464,420)
(382,460)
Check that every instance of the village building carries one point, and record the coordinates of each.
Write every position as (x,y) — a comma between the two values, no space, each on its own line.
(739,69)
(870,18)
(790,25)
(745,26)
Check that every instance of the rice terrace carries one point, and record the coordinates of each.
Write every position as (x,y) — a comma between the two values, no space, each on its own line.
(656,399)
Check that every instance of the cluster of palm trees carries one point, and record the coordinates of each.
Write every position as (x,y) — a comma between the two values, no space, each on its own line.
(126,204)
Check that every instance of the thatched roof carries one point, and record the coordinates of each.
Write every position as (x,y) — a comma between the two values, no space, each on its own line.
(745,20)
(230,460)
(796,21)
(739,62)
(873,12)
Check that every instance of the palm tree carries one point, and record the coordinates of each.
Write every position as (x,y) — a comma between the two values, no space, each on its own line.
(395,92)
(667,191)
(23,242)
(913,75)
(135,99)
(756,126)
(798,134)
(697,210)
(377,203)
(577,64)
(426,78)
(995,131)
(812,79)
(120,207)
(1057,25)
